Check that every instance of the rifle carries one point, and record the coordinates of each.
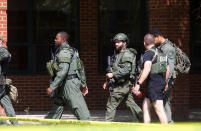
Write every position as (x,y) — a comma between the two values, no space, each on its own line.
(110,81)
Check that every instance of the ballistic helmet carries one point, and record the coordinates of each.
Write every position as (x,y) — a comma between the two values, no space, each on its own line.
(121,37)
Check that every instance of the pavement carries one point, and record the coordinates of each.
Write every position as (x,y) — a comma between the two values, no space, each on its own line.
(96,115)
(195,115)
(99,115)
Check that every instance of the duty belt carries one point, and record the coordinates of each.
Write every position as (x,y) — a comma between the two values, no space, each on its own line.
(73,76)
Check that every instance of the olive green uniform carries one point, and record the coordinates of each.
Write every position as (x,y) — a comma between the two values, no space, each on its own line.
(5,101)
(169,50)
(121,69)
(66,85)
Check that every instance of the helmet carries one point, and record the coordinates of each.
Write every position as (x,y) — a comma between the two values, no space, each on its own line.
(121,37)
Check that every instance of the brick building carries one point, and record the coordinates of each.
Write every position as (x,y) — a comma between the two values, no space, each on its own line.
(30,27)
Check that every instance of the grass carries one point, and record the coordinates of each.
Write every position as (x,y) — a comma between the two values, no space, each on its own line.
(105,126)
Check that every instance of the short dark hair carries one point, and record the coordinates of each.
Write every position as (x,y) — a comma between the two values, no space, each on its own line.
(155,32)
(149,39)
(64,35)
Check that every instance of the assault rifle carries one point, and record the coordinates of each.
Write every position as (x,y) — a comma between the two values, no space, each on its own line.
(110,81)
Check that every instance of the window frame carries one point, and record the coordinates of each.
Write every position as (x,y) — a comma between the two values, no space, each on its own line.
(31,59)
(138,44)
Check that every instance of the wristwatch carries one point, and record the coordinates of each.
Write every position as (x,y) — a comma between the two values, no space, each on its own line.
(138,83)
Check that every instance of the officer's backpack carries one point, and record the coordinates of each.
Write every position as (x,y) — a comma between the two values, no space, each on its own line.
(183,63)
(80,66)
(12,91)
(161,65)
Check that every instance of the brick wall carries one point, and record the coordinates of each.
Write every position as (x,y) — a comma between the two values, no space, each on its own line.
(172,18)
(96,99)
(32,92)
(195,91)
(3,18)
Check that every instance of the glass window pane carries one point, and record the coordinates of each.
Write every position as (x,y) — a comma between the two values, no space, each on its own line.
(17,21)
(195,37)
(19,57)
(34,23)
(53,16)
(129,17)
(50,17)
(42,54)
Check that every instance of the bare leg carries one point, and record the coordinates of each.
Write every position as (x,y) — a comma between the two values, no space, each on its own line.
(2,111)
(2,114)
(146,110)
(159,108)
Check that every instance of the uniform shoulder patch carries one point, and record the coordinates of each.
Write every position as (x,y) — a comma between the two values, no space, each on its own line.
(65,55)
(127,57)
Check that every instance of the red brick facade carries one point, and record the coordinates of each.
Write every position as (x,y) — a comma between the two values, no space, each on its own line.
(171,16)
(3,18)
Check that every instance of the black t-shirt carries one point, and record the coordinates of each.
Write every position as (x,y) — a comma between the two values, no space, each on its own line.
(154,80)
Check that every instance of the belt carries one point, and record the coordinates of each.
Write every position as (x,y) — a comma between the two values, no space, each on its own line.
(73,76)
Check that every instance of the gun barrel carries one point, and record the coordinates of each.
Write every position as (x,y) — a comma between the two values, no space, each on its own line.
(108,61)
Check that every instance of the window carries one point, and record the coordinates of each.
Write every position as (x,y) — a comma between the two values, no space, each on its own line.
(32,27)
(128,17)
(17,34)
(195,36)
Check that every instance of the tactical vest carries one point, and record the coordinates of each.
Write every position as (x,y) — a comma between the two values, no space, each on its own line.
(75,64)
(52,65)
(161,62)
(117,65)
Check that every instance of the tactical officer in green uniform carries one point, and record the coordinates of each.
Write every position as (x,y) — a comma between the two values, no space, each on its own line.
(166,46)
(67,81)
(120,74)
(5,101)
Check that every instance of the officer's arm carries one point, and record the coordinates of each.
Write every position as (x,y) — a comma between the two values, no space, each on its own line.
(83,77)
(60,75)
(170,52)
(83,83)
(167,73)
(145,71)
(4,54)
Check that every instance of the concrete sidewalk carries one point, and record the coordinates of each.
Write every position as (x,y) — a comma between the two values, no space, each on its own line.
(99,115)
(96,115)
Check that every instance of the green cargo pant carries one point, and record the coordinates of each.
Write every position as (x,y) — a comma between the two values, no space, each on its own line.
(3,122)
(166,101)
(7,105)
(119,94)
(70,95)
